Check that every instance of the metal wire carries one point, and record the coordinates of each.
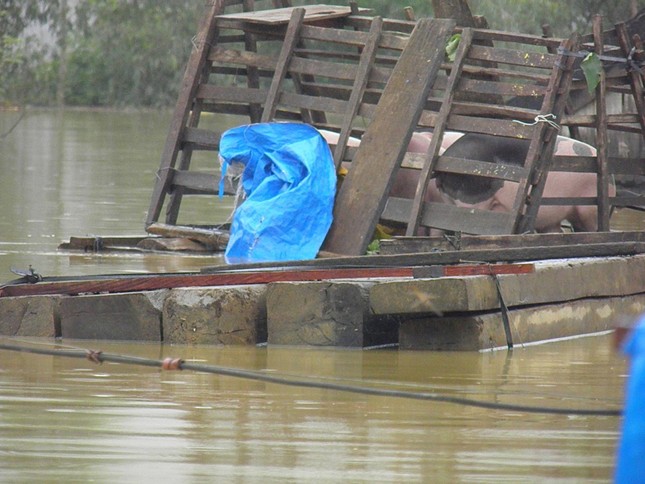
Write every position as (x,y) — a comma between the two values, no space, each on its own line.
(179,364)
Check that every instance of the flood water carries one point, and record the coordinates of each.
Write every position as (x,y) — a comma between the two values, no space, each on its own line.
(63,419)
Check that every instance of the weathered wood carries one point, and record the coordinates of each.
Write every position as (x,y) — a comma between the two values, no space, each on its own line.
(362,196)
(365,65)
(461,270)
(215,239)
(448,217)
(449,164)
(97,244)
(282,15)
(407,245)
(437,136)
(542,146)
(290,41)
(601,133)
(149,282)
(207,33)
(531,253)
(454,9)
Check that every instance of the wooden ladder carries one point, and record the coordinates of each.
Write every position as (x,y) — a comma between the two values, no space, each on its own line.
(491,75)
(362,196)
(620,76)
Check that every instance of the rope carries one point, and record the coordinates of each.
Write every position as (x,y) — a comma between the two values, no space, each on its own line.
(541,118)
(179,364)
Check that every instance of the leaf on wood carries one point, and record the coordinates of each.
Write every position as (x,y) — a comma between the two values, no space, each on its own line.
(591,67)
(451,46)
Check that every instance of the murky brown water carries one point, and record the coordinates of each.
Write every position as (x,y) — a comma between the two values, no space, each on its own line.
(70,420)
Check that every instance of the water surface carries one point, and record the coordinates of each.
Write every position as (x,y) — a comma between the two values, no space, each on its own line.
(77,173)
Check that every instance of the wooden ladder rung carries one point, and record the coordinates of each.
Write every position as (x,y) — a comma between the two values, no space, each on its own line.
(449,164)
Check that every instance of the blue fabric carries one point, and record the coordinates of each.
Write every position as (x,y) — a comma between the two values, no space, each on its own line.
(290,184)
(630,467)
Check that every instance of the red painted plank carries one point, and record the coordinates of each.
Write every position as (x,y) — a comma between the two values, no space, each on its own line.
(153,282)
(472,270)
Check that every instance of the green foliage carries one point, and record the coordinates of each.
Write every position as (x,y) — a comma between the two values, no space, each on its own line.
(591,67)
(451,46)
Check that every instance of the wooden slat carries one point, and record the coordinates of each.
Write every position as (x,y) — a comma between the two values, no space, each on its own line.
(411,245)
(364,67)
(283,15)
(289,43)
(449,217)
(635,78)
(542,145)
(196,182)
(493,126)
(437,137)
(462,270)
(448,164)
(222,55)
(602,140)
(361,198)
(202,138)
(230,94)
(516,57)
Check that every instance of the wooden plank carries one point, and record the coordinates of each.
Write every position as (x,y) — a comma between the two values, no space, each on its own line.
(290,41)
(531,253)
(462,270)
(230,94)
(215,239)
(448,217)
(222,55)
(513,57)
(484,125)
(197,182)
(361,198)
(437,137)
(449,164)
(145,282)
(602,140)
(364,67)
(203,139)
(282,15)
(411,245)
(353,38)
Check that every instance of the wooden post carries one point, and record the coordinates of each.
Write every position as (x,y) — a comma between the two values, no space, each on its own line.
(363,194)
(601,133)
(183,107)
(454,9)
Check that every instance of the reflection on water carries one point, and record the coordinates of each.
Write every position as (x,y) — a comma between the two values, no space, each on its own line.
(115,421)
(77,173)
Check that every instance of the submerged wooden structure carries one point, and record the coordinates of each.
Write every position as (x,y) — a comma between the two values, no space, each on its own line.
(380,80)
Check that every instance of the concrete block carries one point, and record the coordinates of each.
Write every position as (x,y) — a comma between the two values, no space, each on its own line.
(124,316)
(215,315)
(554,281)
(324,313)
(434,295)
(29,316)
(540,323)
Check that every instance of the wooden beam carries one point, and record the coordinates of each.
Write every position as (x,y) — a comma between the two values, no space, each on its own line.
(362,196)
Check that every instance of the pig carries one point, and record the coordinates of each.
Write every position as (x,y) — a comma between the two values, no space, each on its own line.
(498,195)
(494,194)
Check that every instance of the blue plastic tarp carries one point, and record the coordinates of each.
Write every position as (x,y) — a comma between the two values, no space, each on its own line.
(630,465)
(289,180)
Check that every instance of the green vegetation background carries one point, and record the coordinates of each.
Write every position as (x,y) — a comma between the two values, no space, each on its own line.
(133,52)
